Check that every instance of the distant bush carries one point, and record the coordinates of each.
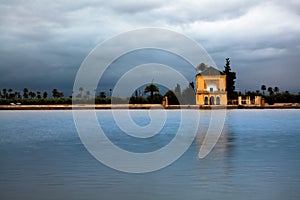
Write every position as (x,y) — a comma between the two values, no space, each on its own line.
(282,98)
(138,100)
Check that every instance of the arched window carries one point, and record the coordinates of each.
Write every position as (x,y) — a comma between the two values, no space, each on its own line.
(218,100)
(212,100)
(205,100)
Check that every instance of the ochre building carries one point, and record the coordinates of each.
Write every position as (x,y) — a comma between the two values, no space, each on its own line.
(211,87)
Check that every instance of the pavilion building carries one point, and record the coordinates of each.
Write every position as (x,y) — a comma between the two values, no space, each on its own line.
(211,87)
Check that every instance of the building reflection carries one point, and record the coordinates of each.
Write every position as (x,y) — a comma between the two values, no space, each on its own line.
(220,159)
(225,143)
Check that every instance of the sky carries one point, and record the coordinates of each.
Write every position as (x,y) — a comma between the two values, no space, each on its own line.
(43,43)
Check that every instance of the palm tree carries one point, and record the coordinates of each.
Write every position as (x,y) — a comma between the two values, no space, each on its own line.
(151,88)
(87,94)
(55,93)
(4,92)
(10,94)
(276,90)
(38,94)
(270,90)
(18,95)
(32,94)
(263,88)
(80,92)
(45,94)
(25,93)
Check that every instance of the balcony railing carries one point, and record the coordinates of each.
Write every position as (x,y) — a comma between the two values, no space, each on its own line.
(211,92)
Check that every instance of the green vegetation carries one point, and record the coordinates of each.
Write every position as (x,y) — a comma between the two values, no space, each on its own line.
(32,98)
(274,95)
(174,97)
(155,97)
(150,95)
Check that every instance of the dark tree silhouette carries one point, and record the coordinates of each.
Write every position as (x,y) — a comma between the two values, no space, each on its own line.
(10,94)
(45,95)
(87,94)
(18,95)
(263,88)
(38,94)
(156,98)
(151,88)
(79,95)
(102,95)
(270,90)
(192,85)
(276,90)
(230,80)
(57,94)
(25,93)
(32,94)
(4,90)
(172,99)
(61,94)
(137,100)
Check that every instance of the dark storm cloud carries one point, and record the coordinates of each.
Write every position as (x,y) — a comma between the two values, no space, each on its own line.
(44,42)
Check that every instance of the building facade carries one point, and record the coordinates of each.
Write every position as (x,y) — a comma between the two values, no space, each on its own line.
(211,87)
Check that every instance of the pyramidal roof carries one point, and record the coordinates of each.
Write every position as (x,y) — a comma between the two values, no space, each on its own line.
(210,71)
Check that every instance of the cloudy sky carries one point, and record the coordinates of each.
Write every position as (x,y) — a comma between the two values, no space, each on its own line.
(43,43)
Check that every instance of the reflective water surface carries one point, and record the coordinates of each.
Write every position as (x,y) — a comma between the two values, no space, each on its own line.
(257,157)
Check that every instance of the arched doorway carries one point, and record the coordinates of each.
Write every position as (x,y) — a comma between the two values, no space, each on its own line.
(205,100)
(212,100)
(218,100)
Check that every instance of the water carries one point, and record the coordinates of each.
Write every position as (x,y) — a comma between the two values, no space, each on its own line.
(257,157)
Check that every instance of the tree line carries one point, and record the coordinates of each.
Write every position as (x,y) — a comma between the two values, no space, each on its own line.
(151,94)
(175,97)
(273,95)
(11,94)
(27,96)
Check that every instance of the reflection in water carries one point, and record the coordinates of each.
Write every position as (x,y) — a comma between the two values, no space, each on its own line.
(218,164)
(256,157)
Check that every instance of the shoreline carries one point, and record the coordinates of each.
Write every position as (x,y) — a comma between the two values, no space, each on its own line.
(144,106)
